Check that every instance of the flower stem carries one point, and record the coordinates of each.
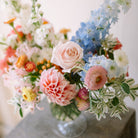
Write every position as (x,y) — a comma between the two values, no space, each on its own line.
(77,67)
(17,34)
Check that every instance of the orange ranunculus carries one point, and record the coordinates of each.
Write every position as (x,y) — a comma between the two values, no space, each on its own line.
(21,61)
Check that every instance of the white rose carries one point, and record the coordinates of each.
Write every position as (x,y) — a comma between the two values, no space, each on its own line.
(67,55)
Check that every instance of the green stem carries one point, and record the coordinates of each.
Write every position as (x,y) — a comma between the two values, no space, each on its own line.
(77,67)
(17,34)
(1,43)
(90,101)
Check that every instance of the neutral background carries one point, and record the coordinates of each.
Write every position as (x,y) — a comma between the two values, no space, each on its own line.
(69,14)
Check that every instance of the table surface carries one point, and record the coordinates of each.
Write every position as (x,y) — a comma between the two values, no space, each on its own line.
(37,126)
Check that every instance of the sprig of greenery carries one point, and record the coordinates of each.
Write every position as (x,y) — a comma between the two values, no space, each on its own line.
(65,112)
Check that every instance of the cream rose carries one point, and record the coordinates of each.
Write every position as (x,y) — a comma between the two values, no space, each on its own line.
(67,55)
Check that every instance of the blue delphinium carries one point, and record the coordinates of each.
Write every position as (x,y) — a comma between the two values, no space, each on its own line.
(88,37)
(91,33)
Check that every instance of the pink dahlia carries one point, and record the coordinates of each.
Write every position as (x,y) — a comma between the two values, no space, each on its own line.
(96,77)
(56,87)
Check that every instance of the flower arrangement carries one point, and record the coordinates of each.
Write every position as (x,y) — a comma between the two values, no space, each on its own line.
(87,73)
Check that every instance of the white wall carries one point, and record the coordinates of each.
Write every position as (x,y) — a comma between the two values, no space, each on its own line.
(69,14)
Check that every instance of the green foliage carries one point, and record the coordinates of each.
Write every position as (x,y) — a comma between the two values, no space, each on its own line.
(40,92)
(101,51)
(111,55)
(65,112)
(74,78)
(125,88)
(1,43)
(21,112)
(115,101)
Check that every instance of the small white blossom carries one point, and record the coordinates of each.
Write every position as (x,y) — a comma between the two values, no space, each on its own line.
(12,40)
(120,58)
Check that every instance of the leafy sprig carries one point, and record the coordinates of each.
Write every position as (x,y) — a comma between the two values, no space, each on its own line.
(65,112)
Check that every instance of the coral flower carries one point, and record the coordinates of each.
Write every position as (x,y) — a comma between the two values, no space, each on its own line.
(29,37)
(10,52)
(21,61)
(29,66)
(96,77)
(118,45)
(3,65)
(56,87)
(82,104)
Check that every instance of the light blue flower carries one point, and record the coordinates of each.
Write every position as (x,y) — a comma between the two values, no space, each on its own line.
(97,61)
(88,37)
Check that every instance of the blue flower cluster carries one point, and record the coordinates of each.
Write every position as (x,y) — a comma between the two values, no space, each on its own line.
(90,34)
(88,38)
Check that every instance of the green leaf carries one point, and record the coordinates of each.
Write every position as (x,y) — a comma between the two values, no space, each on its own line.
(125,88)
(18,104)
(109,84)
(1,43)
(111,56)
(72,78)
(115,101)
(40,92)
(33,79)
(21,112)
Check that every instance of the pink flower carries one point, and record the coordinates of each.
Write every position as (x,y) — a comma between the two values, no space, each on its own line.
(83,93)
(3,65)
(96,77)
(10,52)
(67,55)
(82,104)
(56,87)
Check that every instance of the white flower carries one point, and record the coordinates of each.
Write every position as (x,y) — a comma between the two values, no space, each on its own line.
(126,5)
(12,40)
(24,17)
(114,70)
(26,49)
(44,35)
(46,53)
(120,58)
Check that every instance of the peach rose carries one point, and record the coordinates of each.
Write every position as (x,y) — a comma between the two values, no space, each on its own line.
(67,55)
